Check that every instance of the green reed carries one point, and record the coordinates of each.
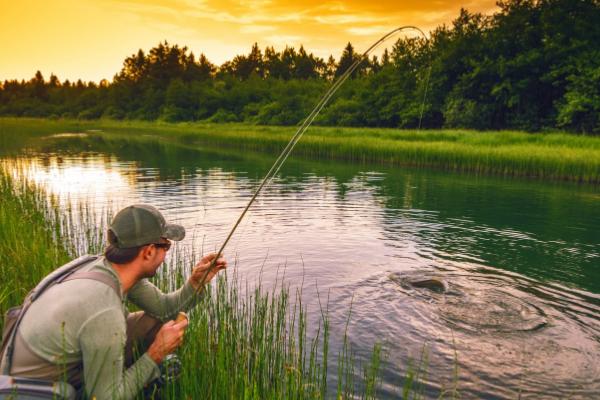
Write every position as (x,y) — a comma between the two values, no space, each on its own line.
(243,341)
(28,245)
(558,156)
(251,342)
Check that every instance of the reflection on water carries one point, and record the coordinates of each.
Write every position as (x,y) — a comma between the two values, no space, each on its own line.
(82,179)
(520,312)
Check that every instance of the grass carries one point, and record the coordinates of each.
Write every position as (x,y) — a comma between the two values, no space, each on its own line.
(556,156)
(255,346)
(28,249)
(242,342)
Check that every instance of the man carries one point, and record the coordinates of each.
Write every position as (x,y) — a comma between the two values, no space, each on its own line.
(81,331)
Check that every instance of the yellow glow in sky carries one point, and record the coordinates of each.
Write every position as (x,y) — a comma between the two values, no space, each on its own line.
(89,39)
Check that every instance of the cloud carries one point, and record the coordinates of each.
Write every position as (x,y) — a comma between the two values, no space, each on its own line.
(55,36)
(257,28)
(255,3)
(282,40)
(342,19)
(369,30)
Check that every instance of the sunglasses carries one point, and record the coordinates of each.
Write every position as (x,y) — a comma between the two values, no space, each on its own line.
(165,246)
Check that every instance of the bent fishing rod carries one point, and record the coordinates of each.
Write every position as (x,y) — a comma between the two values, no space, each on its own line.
(296,137)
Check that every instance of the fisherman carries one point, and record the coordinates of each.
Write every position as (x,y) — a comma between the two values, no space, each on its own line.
(81,331)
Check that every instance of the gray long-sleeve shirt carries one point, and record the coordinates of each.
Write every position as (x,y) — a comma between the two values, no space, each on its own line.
(83,321)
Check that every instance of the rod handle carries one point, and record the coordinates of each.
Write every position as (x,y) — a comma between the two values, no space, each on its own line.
(180,317)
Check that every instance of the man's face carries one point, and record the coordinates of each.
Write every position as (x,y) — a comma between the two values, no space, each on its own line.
(157,254)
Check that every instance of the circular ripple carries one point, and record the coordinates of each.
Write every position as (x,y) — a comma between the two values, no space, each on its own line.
(492,310)
(473,304)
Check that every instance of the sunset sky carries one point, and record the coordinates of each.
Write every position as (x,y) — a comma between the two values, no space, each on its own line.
(89,39)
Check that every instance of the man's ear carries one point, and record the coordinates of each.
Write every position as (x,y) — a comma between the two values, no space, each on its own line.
(147,252)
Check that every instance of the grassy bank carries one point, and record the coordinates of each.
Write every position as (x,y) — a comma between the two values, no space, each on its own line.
(250,343)
(546,156)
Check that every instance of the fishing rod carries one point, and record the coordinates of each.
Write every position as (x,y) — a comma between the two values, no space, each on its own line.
(296,137)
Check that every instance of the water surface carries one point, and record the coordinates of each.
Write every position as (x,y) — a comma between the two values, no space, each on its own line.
(520,258)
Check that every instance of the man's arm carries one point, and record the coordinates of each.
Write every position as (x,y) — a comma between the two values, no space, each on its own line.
(165,306)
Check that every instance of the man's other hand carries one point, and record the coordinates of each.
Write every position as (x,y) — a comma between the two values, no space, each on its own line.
(200,269)
(167,340)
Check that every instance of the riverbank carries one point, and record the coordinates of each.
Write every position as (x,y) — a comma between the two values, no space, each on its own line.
(552,156)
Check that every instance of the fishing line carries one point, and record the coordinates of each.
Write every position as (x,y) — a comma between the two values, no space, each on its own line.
(296,137)
(424,95)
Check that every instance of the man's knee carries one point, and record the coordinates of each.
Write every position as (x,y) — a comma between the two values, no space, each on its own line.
(141,331)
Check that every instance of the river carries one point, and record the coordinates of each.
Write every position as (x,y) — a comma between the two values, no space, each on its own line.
(519,314)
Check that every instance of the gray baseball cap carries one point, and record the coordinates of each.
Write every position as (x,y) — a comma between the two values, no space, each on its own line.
(142,224)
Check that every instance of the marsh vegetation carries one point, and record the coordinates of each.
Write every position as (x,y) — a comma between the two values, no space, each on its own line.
(555,156)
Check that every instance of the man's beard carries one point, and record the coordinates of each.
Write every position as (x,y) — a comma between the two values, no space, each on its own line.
(152,274)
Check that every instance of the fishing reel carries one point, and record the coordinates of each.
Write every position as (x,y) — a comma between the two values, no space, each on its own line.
(170,369)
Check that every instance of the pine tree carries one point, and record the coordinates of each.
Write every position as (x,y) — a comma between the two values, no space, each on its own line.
(349,57)
(330,68)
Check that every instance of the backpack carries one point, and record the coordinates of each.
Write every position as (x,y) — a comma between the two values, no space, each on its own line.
(27,388)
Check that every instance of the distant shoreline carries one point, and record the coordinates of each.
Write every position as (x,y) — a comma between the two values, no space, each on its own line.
(547,156)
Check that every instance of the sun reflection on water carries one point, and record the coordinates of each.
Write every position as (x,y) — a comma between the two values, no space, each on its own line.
(75,180)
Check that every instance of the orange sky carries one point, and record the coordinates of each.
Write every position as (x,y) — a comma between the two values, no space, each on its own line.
(89,39)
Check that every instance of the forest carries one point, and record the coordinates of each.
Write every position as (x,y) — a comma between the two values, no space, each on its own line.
(533,65)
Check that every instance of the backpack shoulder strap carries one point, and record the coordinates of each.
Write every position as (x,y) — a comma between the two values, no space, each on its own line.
(95,276)
(60,273)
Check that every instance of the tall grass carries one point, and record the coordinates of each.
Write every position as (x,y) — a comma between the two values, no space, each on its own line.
(15,134)
(29,246)
(242,342)
(256,346)
(557,156)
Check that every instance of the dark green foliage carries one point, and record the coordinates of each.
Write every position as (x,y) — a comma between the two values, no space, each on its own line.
(580,107)
(348,58)
(533,65)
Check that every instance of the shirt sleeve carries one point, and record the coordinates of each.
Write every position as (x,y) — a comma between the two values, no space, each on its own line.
(163,306)
(102,339)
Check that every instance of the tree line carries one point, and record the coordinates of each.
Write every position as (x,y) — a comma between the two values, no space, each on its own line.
(532,65)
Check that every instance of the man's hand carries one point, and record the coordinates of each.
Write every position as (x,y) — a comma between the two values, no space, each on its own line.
(200,269)
(168,338)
